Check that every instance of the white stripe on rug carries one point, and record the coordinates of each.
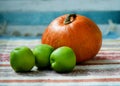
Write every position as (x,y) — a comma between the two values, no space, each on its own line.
(84,67)
(63,84)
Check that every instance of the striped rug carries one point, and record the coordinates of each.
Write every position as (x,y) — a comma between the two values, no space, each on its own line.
(102,70)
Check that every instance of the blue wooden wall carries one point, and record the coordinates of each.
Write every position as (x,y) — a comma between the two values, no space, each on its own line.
(37,14)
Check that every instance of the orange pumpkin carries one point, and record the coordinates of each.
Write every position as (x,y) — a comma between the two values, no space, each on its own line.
(75,31)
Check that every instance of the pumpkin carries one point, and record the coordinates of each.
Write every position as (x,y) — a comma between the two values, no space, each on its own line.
(75,31)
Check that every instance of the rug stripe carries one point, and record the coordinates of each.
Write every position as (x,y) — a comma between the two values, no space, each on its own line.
(63,81)
(100,67)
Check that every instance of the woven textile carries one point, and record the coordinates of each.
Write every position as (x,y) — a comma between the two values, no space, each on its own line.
(103,69)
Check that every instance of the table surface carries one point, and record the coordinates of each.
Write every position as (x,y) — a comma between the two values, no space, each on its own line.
(103,69)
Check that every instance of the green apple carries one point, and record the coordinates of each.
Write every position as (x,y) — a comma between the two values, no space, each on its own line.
(22,59)
(42,55)
(63,59)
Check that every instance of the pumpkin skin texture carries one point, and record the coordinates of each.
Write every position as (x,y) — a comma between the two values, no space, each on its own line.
(81,34)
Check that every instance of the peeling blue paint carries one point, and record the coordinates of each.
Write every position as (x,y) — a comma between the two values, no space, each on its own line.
(44,18)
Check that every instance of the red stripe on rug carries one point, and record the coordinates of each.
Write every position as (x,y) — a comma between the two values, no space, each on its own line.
(106,57)
(98,63)
(4,57)
(62,81)
(5,65)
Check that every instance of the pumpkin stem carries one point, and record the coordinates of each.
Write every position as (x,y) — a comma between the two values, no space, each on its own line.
(70,18)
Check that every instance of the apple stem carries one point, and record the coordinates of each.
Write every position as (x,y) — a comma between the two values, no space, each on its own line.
(70,18)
